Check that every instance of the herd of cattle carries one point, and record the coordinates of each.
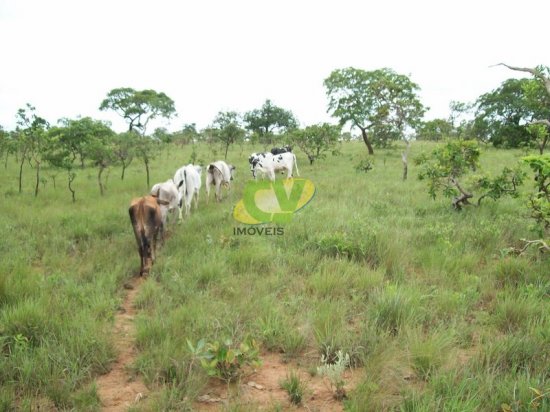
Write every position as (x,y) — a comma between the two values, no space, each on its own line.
(149,214)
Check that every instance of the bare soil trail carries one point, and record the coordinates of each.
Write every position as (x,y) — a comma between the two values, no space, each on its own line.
(262,389)
(118,389)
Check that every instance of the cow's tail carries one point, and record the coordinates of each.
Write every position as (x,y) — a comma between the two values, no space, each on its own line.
(139,227)
(296,165)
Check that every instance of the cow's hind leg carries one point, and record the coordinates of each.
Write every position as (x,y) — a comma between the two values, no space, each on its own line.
(218,191)
(180,209)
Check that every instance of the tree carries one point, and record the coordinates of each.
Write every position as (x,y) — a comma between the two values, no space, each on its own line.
(229,129)
(269,120)
(541,76)
(146,149)
(5,145)
(138,107)
(101,150)
(188,134)
(124,149)
(31,141)
(78,134)
(316,140)
(380,102)
(502,115)
(162,135)
(447,164)
(434,130)
(61,154)
(540,134)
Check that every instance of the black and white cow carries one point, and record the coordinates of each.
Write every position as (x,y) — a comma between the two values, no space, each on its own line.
(255,158)
(267,164)
(279,150)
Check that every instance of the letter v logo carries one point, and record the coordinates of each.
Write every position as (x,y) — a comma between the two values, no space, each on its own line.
(265,202)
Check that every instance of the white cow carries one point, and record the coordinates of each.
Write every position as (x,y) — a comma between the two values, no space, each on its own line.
(218,174)
(166,195)
(268,165)
(188,181)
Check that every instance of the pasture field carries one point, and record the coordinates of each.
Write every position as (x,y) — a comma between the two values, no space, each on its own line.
(433,313)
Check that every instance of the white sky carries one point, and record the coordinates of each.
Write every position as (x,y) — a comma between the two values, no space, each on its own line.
(64,56)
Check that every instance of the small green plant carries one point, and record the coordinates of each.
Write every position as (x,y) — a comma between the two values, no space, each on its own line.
(363,166)
(335,373)
(225,361)
(294,387)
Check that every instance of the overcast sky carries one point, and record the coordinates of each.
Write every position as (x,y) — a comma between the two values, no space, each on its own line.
(64,56)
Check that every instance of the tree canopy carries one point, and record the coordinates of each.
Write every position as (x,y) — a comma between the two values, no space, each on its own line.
(380,102)
(316,140)
(503,114)
(138,107)
(435,130)
(269,120)
(229,129)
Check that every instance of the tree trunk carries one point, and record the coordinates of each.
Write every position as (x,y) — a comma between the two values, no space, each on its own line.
(101,169)
(404,156)
(21,173)
(461,200)
(123,170)
(226,149)
(546,81)
(147,170)
(366,140)
(37,179)
(542,145)
(71,178)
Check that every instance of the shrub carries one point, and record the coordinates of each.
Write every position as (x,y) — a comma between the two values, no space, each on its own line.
(225,361)
(334,371)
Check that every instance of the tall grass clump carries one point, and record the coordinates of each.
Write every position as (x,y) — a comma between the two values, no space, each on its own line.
(512,314)
(295,387)
(429,353)
(393,307)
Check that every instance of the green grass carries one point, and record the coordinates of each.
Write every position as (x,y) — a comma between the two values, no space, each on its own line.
(295,388)
(372,267)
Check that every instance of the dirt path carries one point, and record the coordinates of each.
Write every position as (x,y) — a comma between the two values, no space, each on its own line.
(118,390)
(262,390)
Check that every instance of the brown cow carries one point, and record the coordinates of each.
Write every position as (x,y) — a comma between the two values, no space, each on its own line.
(146,220)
